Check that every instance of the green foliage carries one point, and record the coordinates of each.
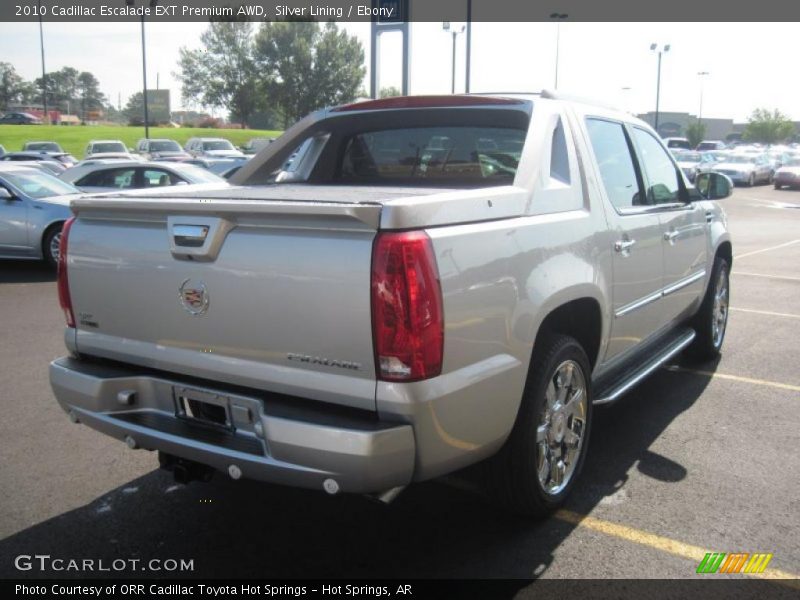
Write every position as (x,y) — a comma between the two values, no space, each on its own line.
(222,73)
(13,88)
(303,67)
(74,139)
(768,127)
(695,133)
(390,92)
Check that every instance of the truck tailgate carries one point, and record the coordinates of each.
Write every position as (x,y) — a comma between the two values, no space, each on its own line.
(273,295)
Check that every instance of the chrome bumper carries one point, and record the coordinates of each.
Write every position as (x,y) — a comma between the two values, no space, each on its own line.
(297,446)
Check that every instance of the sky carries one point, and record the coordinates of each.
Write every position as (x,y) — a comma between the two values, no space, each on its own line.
(747,62)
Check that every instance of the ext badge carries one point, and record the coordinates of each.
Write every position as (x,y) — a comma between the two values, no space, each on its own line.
(194,297)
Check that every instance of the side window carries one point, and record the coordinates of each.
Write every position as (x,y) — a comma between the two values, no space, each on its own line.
(157,178)
(610,145)
(662,175)
(113,178)
(559,158)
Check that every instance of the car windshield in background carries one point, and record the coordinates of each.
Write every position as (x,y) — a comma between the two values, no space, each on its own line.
(165,146)
(39,185)
(42,147)
(689,157)
(108,147)
(220,145)
(792,162)
(431,155)
(739,159)
(198,174)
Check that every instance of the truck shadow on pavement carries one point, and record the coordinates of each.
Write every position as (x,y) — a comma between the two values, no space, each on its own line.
(248,530)
(25,271)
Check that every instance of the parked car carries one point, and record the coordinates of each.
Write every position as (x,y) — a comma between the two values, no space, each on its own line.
(689,162)
(96,147)
(211,148)
(50,162)
(18,118)
(677,142)
(52,147)
(160,149)
(788,175)
(746,169)
(102,176)
(370,322)
(218,166)
(107,156)
(253,145)
(33,207)
(711,145)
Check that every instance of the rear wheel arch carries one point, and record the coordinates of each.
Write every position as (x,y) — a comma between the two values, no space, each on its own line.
(46,235)
(580,319)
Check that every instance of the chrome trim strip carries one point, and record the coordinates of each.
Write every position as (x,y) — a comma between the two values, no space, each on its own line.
(638,304)
(638,376)
(684,282)
(642,302)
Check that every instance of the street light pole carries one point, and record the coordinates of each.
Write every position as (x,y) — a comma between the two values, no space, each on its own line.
(702,75)
(560,17)
(144,71)
(446,27)
(468,59)
(44,73)
(654,47)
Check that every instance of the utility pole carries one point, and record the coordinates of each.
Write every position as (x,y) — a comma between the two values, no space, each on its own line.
(702,75)
(44,72)
(660,51)
(446,27)
(469,45)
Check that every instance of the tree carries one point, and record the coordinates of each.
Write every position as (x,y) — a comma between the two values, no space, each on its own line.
(695,133)
(304,67)
(223,73)
(89,93)
(134,109)
(390,92)
(768,127)
(12,86)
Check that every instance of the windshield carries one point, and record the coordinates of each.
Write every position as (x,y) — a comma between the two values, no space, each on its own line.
(37,184)
(43,147)
(433,154)
(198,174)
(218,145)
(740,160)
(165,146)
(792,162)
(689,157)
(713,156)
(108,147)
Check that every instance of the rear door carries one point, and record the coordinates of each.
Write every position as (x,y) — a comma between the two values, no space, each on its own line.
(637,249)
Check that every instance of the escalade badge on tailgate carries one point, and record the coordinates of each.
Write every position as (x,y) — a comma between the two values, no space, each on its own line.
(194,296)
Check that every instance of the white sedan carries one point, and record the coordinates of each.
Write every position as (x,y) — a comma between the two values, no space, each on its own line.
(117,176)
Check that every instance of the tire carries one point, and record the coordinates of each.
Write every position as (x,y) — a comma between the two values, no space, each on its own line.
(778,186)
(711,319)
(519,475)
(50,244)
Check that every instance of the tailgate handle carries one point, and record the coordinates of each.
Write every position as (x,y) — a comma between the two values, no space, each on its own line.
(191,236)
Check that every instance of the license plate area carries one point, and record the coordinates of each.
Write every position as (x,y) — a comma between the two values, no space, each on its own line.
(205,408)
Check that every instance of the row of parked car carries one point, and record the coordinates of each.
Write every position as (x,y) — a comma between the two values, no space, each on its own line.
(749,164)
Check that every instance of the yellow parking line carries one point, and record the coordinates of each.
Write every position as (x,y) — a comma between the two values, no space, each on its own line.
(775,384)
(765,312)
(786,277)
(740,256)
(664,544)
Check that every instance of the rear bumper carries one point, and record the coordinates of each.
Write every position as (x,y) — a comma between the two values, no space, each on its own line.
(273,442)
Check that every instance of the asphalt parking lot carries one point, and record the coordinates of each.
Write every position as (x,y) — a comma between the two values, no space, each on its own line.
(695,460)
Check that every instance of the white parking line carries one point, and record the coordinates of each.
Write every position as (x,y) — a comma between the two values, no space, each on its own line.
(740,256)
(751,380)
(765,312)
(786,277)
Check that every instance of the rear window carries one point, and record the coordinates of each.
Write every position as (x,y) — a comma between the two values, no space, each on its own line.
(431,155)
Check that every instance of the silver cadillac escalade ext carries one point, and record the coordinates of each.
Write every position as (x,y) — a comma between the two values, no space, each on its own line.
(396,289)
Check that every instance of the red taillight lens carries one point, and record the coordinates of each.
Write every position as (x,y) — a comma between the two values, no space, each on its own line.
(64,298)
(407,320)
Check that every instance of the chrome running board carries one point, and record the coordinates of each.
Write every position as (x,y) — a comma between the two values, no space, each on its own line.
(630,378)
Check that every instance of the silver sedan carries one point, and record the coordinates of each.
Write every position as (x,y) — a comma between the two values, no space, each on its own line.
(116,176)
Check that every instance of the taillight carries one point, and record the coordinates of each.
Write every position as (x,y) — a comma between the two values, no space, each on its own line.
(407,319)
(64,298)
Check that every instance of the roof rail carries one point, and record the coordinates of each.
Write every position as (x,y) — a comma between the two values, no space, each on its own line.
(553,95)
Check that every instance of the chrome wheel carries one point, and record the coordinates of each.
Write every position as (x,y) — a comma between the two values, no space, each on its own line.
(719,312)
(55,246)
(561,428)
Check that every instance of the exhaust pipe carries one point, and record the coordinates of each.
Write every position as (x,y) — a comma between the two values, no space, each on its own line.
(388,496)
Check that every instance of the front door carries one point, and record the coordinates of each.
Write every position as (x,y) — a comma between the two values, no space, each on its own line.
(13,225)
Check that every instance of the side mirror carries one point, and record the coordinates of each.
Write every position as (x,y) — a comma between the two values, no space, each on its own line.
(5,194)
(713,185)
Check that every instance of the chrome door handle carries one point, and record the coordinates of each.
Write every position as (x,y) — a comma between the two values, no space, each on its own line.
(671,236)
(624,245)
(709,216)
